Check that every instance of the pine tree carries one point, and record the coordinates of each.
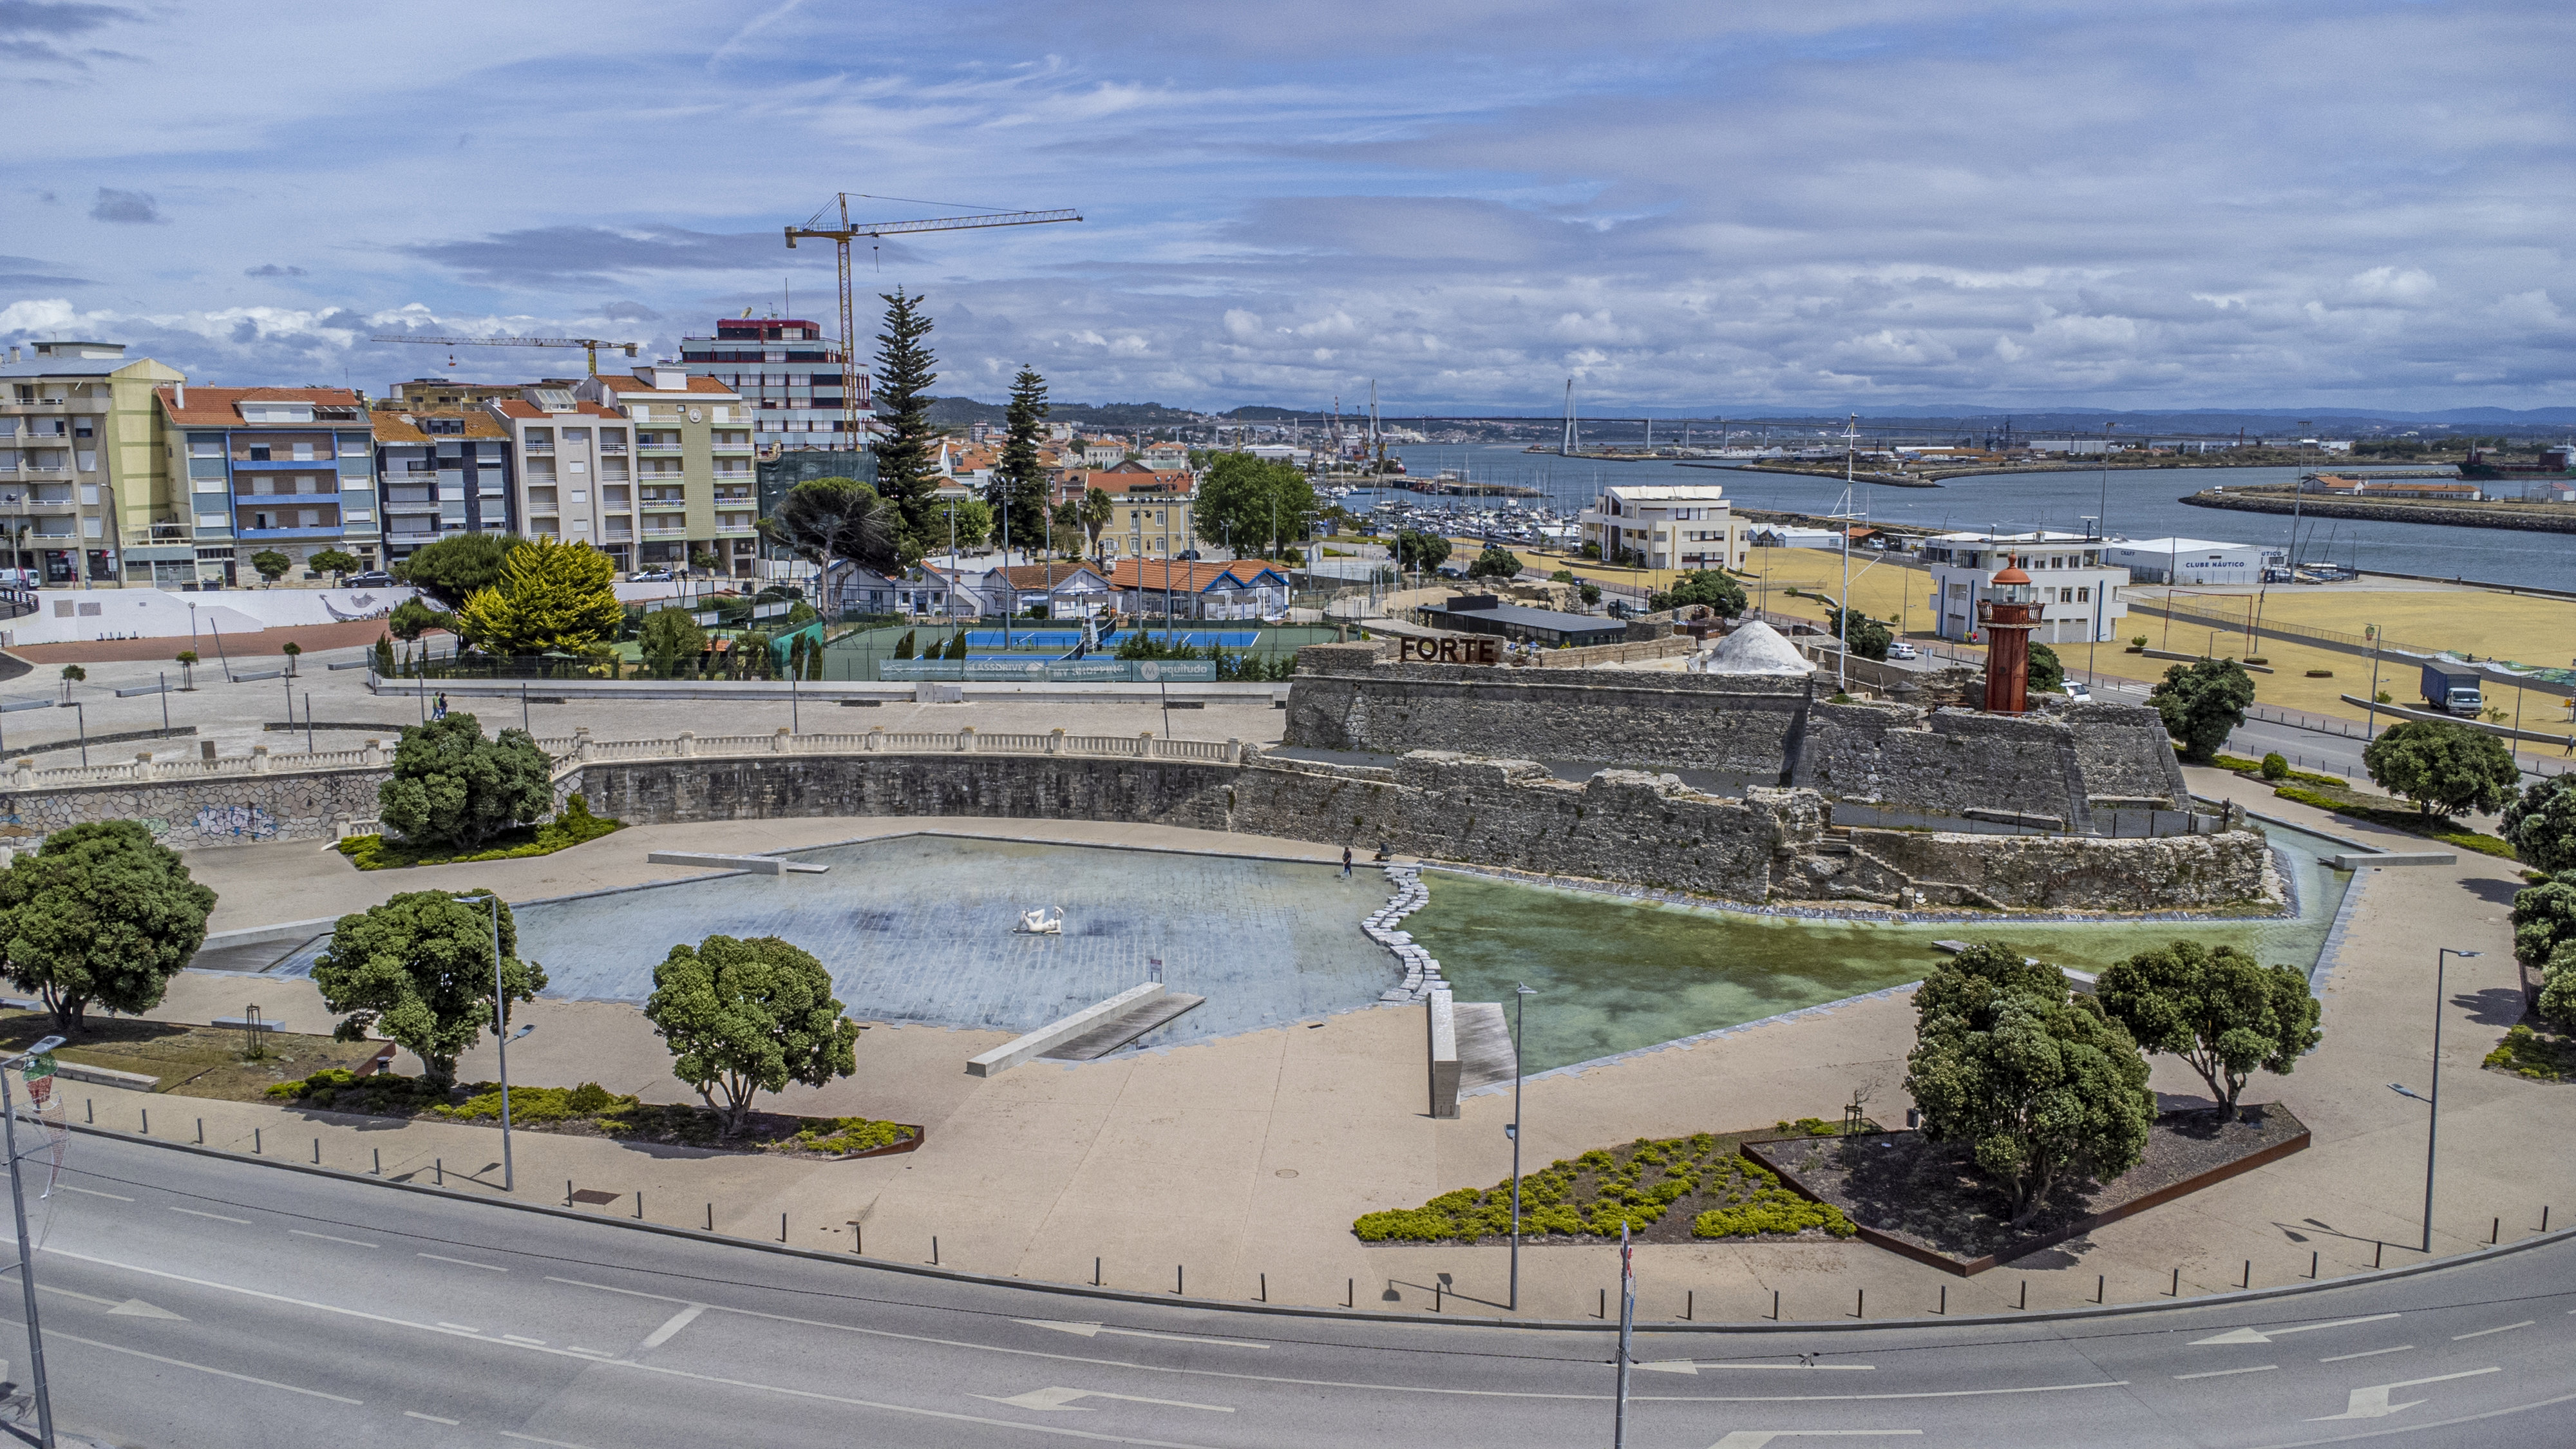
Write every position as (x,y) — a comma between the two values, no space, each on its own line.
(1020,481)
(551,597)
(908,454)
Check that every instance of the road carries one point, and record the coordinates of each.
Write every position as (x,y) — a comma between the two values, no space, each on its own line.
(205,1302)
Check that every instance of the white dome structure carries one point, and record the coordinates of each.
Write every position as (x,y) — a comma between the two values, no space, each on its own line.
(1754,648)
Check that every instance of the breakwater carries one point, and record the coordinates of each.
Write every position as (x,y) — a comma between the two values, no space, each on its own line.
(2539,519)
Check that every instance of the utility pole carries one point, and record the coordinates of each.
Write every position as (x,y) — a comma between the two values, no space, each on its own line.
(26,1252)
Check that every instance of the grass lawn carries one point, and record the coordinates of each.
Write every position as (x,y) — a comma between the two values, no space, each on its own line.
(590,1110)
(191,1061)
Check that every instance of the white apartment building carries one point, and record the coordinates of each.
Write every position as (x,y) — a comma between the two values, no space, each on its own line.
(2079,594)
(2193,560)
(573,465)
(696,495)
(788,376)
(1667,526)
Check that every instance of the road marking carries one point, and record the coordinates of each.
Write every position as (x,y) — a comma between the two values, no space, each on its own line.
(201,1368)
(326,1237)
(218,1217)
(459,1327)
(522,1338)
(593,1352)
(84,1297)
(461,1262)
(2266,1335)
(670,1326)
(2366,1353)
(1756,1438)
(2483,1332)
(2223,1373)
(90,1192)
(128,1308)
(1686,1366)
(533,1439)
(433,1418)
(2372,1402)
(1090,1330)
(1062,1400)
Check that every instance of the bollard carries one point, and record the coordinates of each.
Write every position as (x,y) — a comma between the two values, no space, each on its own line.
(858,1236)
(1860,1303)
(567,1192)
(2249,1274)
(1604,1310)
(317,1152)
(1944,1309)
(2376,1248)
(1435,1295)
(934,1250)
(2495,1234)
(1351,1294)
(2097,1287)
(2025,1295)
(1265,1287)
(2544,1217)
(2176,1291)
(89,1111)
(201,1141)
(782,1227)
(1176,1278)
(255,1149)
(442,1171)
(147,1121)
(1095,1272)
(639,1204)
(380,1162)
(711,1217)
(2312,1265)
(1688,1295)
(1775,1305)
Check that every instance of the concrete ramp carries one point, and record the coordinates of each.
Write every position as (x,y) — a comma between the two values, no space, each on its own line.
(1056,1033)
(1484,1045)
(1113,1032)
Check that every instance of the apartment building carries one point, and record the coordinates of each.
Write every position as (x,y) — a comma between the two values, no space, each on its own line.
(441,473)
(81,469)
(286,468)
(1667,526)
(2079,595)
(788,376)
(574,463)
(695,492)
(447,394)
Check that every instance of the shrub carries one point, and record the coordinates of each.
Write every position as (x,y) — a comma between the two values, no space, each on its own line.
(843,1135)
(1772,1210)
(2274,767)
(2321,674)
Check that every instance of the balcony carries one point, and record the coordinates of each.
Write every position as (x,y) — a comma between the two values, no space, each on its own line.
(673,530)
(327,530)
(666,505)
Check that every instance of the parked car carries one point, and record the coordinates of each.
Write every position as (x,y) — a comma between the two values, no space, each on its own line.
(372,579)
(2078,691)
(649,576)
(1902,650)
(1189,555)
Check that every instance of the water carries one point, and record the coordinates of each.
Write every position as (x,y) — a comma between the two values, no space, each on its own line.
(2142,505)
(1614,975)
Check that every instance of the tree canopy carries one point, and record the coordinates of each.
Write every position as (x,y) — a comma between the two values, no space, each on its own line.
(2042,1086)
(334,561)
(2220,1010)
(450,785)
(908,451)
(411,618)
(270,564)
(550,598)
(2544,919)
(972,519)
(2202,702)
(838,520)
(1251,505)
(1094,514)
(2046,671)
(2541,823)
(2444,768)
(418,969)
(99,912)
(1420,550)
(1711,589)
(1495,562)
(669,635)
(1019,479)
(745,1017)
(457,567)
(1866,637)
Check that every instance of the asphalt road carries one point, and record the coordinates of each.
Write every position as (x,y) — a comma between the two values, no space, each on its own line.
(200,1302)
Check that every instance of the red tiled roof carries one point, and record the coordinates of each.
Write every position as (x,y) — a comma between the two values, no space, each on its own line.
(617,383)
(1186,578)
(214,406)
(1044,576)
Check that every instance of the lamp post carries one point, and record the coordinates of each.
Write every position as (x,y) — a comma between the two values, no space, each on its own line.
(1512,1130)
(2433,1102)
(501,1035)
(26,1253)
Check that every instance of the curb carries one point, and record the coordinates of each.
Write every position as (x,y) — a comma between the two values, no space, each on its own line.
(1287,1310)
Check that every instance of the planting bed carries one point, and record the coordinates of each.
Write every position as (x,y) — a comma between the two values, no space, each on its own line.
(591,1110)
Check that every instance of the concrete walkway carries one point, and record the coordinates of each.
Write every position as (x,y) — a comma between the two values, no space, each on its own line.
(1249,1156)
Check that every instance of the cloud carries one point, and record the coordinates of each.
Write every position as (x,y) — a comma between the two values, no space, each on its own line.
(130,208)
(628,312)
(272,269)
(31,272)
(30,28)
(592,255)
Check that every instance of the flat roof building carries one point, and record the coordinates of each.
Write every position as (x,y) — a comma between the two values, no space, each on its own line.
(1547,628)
(2192,560)
(2077,595)
(1666,526)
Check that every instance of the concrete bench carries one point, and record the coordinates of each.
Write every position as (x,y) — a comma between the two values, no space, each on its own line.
(1443,1027)
(2358,859)
(105,1076)
(754,864)
(1055,1033)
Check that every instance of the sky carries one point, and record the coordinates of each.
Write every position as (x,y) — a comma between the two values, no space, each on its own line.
(1683,209)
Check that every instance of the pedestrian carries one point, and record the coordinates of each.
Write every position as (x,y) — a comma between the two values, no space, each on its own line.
(441,711)
(1346,862)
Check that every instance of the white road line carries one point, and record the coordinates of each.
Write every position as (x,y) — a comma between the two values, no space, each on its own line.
(84,1297)
(1757,1438)
(1061,1400)
(201,1368)
(533,1439)
(433,1418)
(218,1217)
(1094,1330)
(90,1192)
(2483,1332)
(459,1327)
(2266,1335)
(460,1262)
(672,1325)
(2223,1373)
(523,1338)
(326,1237)
(2366,1353)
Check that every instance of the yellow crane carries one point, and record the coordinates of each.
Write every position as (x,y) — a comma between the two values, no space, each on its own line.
(841,235)
(590,345)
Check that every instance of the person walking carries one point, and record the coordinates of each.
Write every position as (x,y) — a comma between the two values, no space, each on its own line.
(1346,862)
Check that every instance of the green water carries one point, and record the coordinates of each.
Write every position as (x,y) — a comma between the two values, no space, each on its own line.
(1614,975)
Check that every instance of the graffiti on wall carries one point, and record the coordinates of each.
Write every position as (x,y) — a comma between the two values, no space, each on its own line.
(241,822)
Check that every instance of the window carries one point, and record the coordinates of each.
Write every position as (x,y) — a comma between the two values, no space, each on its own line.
(259,452)
(2084,594)
(303,452)
(575,435)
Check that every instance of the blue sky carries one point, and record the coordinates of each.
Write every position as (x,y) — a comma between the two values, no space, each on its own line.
(1686,208)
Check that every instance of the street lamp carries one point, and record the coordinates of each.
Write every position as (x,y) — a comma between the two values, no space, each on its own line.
(1512,1130)
(502,1036)
(2433,1102)
(26,1253)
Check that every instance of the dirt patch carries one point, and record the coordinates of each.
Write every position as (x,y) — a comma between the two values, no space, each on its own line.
(191,1061)
(1928,1201)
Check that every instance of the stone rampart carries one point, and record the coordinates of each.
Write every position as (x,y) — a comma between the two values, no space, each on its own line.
(2086,873)
(225,810)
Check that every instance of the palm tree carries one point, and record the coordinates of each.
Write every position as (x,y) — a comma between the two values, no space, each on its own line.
(1097,509)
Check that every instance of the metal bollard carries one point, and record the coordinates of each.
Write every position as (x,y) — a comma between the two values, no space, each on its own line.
(1095,1272)
(1775,1305)
(89,1111)
(201,1132)
(639,1204)
(2249,1274)
(782,1227)
(711,1217)
(147,1121)
(256,1150)
(317,1152)
(1265,1287)
(380,1162)
(2312,1265)
(1689,1295)
(1944,1309)
(1435,1295)
(2025,1295)
(1176,1278)
(1860,1303)
(934,1250)
(1351,1294)
(442,1171)
(567,1192)
(2176,1290)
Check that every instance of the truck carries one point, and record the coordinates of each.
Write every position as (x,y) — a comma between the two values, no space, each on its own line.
(2453,688)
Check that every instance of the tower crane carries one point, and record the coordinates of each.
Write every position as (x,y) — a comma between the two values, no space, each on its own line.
(590,345)
(841,235)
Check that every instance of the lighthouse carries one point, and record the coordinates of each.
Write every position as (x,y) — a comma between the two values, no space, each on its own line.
(2008,613)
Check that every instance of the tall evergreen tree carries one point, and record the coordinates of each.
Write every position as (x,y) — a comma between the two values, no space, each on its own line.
(908,453)
(1021,479)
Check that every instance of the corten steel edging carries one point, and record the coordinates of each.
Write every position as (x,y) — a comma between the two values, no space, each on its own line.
(1970,1267)
(1287,1310)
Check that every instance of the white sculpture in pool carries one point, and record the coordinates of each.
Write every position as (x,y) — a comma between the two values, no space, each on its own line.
(1046,922)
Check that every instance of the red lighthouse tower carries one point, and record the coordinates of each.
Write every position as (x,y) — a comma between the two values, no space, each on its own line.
(2008,613)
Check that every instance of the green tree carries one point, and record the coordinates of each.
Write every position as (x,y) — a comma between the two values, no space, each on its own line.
(1020,479)
(2202,702)
(334,561)
(908,452)
(904,646)
(971,517)
(2541,823)
(293,651)
(2046,672)
(1495,563)
(745,1017)
(956,646)
(1868,637)
(187,661)
(419,970)
(271,564)
(551,598)
(72,674)
(838,520)
(452,786)
(2544,919)
(456,568)
(1420,550)
(1709,588)
(1095,512)
(1251,505)
(2222,1011)
(2043,1087)
(99,913)
(384,655)
(669,635)
(411,618)
(2444,768)
(1589,592)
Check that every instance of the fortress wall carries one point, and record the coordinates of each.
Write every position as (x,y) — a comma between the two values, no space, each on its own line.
(2184,872)
(227,810)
